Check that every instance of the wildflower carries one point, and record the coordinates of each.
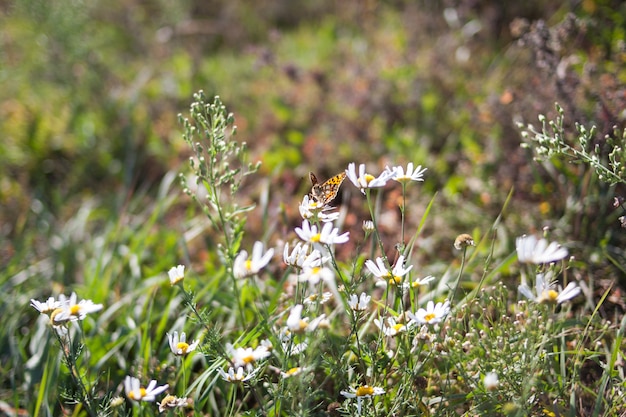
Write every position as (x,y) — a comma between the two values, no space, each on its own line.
(360,303)
(135,392)
(380,270)
(297,324)
(538,251)
(411,174)
(418,282)
(70,310)
(361,392)
(292,372)
(317,298)
(545,290)
(246,356)
(392,329)
(432,314)
(169,402)
(244,267)
(368,226)
(47,307)
(363,180)
(176,274)
(179,346)
(491,381)
(239,376)
(328,235)
(316,274)
(462,241)
(311,209)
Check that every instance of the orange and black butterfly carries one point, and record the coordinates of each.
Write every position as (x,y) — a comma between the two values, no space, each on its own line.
(325,193)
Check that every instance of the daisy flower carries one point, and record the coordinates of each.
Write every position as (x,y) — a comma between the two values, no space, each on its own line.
(311,209)
(416,174)
(329,235)
(176,274)
(362,180)
(297,324)
(169,402)
(244,267)
(317,298)
(136,392)
(380,270)
(292,372)
(360,303)
(179,346)
(316,274)
(239,376)
(418,282)
(431,314)
(545,291)
(71,310)
(47,307)
(361,392)
(392,328)
(246,356)
(538,251)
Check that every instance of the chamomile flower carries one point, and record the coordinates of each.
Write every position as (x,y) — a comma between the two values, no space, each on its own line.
(134,391)
(411,174)
(418,282)
(363,180)
(392,328)
(360,303)
(245,267)
(239,376)
(311,209)
(380,270)
(170,402)
(329,235)
(246,357)
(361,392)
(316,274)
(318,298)
(47,307)
(71,310)
(432,314)
(297,324)
(545,291)
(538,251)
(179,345)
(292,372)
(176,274)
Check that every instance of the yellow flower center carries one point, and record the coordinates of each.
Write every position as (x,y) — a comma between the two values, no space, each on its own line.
(394,279)
(428,317)
(316,238)
(368,178)
(74,310)
(182,346)
(293,371)
(248,359)
(550,295)
(134,395)
(248,265)
(398,327)
(364,390)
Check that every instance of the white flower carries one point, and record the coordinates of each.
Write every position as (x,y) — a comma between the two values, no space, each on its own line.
(361,392)
(169,402)
(432,314)
(311,209)
(246,356)
(368,226)
(179,346)
(244,267)
(392,328)
(545,290)
(418,282)
(70,310)
(364,180)
(328,235)
(295,323)
(176,274)
(538,251)
(380,270)
(135,392)
(316,274)
(411,174)
(47,307)
(360,303)
(239,376)
(317,298)
(491,381)
(292,372)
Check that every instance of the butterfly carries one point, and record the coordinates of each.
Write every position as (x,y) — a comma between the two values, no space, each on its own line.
(324,193)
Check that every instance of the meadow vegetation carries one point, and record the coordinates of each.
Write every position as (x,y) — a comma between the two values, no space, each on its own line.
(335,208)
